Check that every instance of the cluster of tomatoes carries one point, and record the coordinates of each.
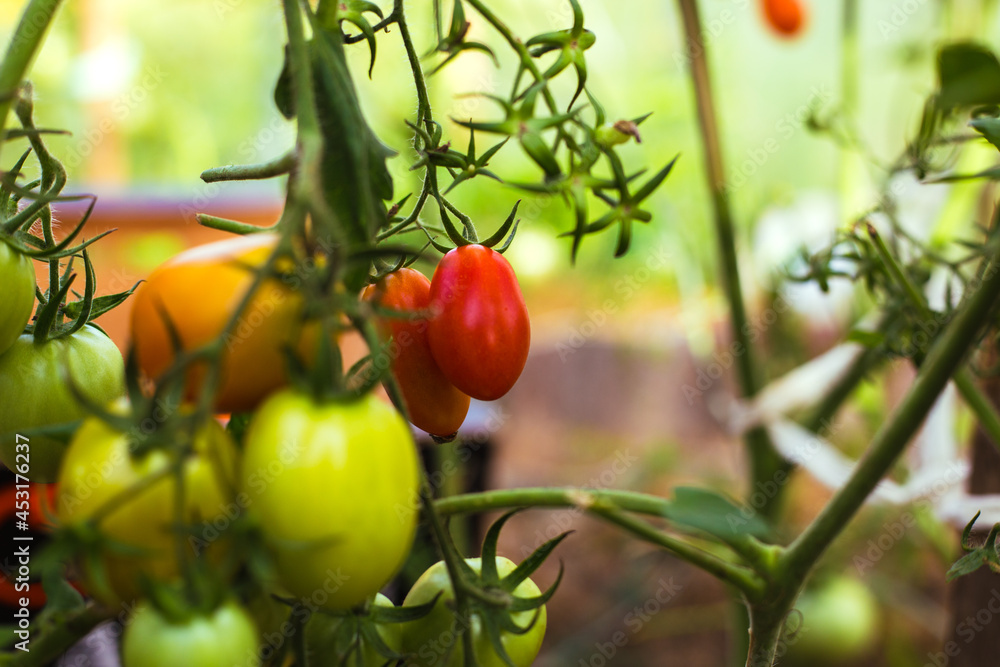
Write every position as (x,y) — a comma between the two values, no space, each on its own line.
(331,487)
(473,342)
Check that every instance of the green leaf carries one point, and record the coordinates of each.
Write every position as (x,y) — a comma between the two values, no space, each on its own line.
(713,513)
(355,177)
(989,127)
(967,564)
(969,75)
(60,596)
(867,338)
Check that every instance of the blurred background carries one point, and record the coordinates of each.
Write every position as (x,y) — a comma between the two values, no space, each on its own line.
(155,92)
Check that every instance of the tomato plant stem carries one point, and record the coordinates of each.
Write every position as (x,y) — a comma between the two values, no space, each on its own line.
(944,359)
(527,62)
(453,563)
(416,69)
(609,505)
(765,462)
(742,578)
(982,407)
(24,44)
(243,172)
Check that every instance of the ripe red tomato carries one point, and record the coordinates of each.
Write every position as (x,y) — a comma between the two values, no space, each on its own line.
(199,289)
(434,404)
(479,331)
(36,504)
(785,16)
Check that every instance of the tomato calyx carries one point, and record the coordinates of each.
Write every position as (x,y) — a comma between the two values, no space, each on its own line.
(15,224)
(571,44)
(499,241)
(455,42)
(200,594)
(360,630)
(487,600)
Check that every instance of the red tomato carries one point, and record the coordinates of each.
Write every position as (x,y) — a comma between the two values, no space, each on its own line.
(433,403)
(785,16)
(479,331)
(38,502)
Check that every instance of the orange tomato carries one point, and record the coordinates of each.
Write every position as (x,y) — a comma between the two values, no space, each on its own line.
(786,17)
(433,402)
(198,290)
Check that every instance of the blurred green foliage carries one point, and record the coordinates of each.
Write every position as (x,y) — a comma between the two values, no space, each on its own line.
(187,84)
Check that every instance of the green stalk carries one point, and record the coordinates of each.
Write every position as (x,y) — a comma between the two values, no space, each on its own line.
(794,563)
(452,561)
(852,166)
(765,462)
(944,359)
(740,577)
(974,397)
(608,505)
(24,44)
(243,172)
(423,99)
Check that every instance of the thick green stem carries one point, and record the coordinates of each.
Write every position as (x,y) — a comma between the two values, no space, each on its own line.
(974,397)
(766,625)
(765,462)
(944,359)
(24,44)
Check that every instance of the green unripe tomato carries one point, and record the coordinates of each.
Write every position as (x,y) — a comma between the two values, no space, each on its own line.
(430,638)
(840,621)
(34,392)
(17,276)
(322,641)
(225,638)
(333,487)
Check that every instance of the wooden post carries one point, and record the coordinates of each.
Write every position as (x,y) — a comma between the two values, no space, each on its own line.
(974,628)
